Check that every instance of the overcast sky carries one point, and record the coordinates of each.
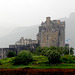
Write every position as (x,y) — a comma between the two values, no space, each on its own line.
(14,13)
(17,13)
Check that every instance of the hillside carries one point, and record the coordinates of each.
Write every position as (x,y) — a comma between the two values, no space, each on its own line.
(70,28)
(16,34)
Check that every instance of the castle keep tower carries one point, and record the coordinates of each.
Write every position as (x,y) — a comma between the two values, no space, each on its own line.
(48,21)
(51,33)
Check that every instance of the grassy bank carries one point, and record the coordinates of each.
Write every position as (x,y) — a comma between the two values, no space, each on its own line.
(39,62)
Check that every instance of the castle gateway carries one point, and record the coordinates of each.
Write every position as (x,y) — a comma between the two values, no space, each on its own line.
(51,33)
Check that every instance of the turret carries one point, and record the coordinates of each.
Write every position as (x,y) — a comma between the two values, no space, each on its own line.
(47,21)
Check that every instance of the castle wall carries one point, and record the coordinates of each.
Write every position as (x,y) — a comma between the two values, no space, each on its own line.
(4,51)
(49,39)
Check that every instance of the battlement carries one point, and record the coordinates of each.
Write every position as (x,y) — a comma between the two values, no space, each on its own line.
(56,21)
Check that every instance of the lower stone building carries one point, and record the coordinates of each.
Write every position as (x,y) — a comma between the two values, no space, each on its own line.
(23,41)
(4,51)
(22,44)
(16,49)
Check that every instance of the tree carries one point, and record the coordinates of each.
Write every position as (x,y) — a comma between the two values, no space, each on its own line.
(52,48)
(67,59)
(48,52)
(44,50)
(71,51)
(38,51)
(11,54)
(53,57)
(60,50)
(66,51)
(24,58)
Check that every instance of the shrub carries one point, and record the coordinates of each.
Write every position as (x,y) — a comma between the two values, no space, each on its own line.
(11,54)
(65,51)
(38,51)
(67,59)
(53,56)
(60,50)
(1,62)
(44,50)
(52,48)
(73,56)
(24,57)
(40,60)
(71,51)
(48,52)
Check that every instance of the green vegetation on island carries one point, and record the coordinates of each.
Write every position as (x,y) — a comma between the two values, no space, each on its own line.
(52,57)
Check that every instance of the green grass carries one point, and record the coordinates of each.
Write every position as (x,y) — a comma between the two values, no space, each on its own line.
(39,62)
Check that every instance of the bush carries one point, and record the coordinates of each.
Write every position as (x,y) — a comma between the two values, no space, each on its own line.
(24,57)
(65,51)
(40,60)
(53,56)
(71,51)
(73,56)
(44,50)
(38,51)
(1,62)
(48,52)
(67,59)
(11,54)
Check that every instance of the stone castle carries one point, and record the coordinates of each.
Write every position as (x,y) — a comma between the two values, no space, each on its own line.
(51,33)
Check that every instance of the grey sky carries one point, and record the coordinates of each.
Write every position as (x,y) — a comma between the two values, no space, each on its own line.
(17,13)
(14,13)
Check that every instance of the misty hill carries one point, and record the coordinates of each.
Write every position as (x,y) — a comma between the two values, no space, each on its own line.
(70,29)
(31,32)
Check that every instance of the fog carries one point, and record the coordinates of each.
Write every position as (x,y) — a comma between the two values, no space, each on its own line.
(32,12)
(22,13)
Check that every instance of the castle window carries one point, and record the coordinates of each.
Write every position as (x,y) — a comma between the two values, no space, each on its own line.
(42,30)
(59,32)
(26,43)
(47,37)
(53,30)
